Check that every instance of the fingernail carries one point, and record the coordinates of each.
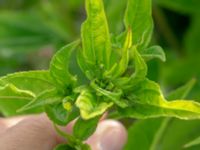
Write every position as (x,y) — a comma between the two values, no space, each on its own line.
(113,137)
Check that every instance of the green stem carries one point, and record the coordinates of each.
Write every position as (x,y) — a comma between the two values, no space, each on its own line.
(69,138)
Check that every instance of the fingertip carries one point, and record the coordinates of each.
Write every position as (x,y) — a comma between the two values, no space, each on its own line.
(110,135)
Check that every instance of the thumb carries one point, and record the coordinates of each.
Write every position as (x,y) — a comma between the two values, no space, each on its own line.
(32,133)
(110,135)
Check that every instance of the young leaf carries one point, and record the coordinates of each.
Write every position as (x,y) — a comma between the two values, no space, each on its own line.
(153,52)
(59,69)
(118,69)
(59,115)
(34,81)
(114,14)
(140,67)
(84,65)
(139,74)
(73,114)
(144,111)
(138,17)
(43,99)
(85,128)
(12,98)
(95,35)
(89,106)
(148,101)
(112,96)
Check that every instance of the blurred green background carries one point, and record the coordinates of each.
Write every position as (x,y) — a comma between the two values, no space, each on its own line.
(32,30)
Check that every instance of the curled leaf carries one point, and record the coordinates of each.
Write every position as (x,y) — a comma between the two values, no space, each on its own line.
(147,101)
(139,74)
(119,68)
(24,81)
(114,96)
(12,98)
(89,106)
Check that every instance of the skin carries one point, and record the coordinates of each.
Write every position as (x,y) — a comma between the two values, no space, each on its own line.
(37,133)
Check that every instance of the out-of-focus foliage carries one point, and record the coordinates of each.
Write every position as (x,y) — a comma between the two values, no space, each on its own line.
(194,142)
(35,28)
(182,6)
(17,4)
(155,134)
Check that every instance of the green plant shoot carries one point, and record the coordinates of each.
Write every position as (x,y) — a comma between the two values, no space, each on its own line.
(116,78)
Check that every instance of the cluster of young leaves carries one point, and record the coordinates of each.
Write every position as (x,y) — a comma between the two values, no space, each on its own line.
(115,70)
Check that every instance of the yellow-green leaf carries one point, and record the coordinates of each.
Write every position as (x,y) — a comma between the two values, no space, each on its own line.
(34,81)
(147,101)
(89,106)
(12,98)
(139,74)
(119,68)
(95,35)
(138,17)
